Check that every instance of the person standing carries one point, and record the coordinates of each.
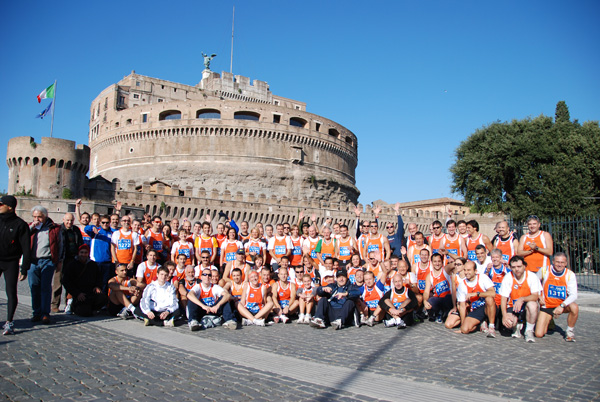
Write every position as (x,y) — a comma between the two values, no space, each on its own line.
(72,239)
(14,243)
(46,250)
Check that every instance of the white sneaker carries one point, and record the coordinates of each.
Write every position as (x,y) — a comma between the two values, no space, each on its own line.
(317,323)
(124,313)
(570,336)
(231,324)
(400,323)
(529,336)
(300,319)
(276,319)
(69,309)
(170,322)
(483,327)
(259,322)
(284,318)
(246,322)
(390,323)
(370,321)
(364,320)
(194,325)
(336,324)
(517,331)
(9,328)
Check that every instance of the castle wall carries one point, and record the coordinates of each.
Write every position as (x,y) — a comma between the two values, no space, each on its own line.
(45,169)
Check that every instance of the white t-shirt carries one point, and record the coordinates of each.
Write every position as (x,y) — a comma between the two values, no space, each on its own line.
(198,270)
(507,283)
(139,273)
(116,236)
(484,282)
(217,291)
(288,243)
(482,267)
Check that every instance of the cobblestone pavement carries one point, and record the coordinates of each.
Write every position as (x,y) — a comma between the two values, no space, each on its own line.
(83,360)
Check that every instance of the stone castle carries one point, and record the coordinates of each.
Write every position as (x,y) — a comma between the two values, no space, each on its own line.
(179,151)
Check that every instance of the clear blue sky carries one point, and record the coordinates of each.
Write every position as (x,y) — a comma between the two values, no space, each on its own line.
(410,79)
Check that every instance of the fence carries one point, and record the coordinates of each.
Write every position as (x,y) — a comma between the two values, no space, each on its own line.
(579,239)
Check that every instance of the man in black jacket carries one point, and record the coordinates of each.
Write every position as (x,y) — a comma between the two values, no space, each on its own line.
(71,240)
(82,278)
(14,243)
(336,304)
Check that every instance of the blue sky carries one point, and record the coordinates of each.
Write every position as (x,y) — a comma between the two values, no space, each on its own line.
(410,79)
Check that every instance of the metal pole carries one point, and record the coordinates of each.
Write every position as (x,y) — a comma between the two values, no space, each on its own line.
(231,59)
(53,105)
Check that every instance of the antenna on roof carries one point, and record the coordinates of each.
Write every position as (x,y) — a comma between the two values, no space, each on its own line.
(232,21)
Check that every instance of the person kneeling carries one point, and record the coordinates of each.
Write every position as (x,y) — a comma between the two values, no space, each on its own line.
(336,305)
(159,301)
(398,302)
(206,299)
(123,294)
(478,291)
(82,278)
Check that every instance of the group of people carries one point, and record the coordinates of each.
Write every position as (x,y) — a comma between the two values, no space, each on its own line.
(322,276)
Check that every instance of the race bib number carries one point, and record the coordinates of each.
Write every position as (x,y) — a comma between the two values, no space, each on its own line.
(373,247)
(452,251)
(254,249)
(209,301)
(344,251)
(297,250)
(206,249)
(313,254)
(124,244)
(372,304)
(477,303)
(421,283)
(557,292)
(471,256)
(442,288)
(417,258)
(505,258)
(280,250)
(230,257)
(157,245)
(284,303)
(184,251)
(253,307)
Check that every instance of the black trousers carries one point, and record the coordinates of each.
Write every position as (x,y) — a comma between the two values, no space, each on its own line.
(327,313)
(10,270)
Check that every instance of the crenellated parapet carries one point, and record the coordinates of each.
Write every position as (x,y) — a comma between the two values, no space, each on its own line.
(48,168)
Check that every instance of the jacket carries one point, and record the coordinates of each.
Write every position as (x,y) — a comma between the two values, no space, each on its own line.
(353,293)
(15,240)
(55,240)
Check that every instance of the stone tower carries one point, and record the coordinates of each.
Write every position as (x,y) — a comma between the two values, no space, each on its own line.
(45,170)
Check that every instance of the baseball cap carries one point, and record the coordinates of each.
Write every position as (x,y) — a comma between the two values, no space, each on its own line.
(9,201)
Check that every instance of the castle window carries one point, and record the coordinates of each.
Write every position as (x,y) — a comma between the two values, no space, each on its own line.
(246,116)
(276,118)
(348,140)
(137,83)
(136,96)
(276,102)
(334,133)
(144,117)
(317,126)
(208,114)
(174,89)
(297,122)
(160,100)
(297,107)
(170,115)
(129,121)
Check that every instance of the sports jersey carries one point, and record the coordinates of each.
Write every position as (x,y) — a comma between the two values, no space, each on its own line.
(229,248)
(362,240)
(472,244)
(205,243)
(283,294)
(409,279)
(156,241)
(496,275)
(236,290)
(186,249)
(506,246)
(436,243)
(376,270)
(345,248)
(188,284)
(296,257)
(440,283)
(254,298)
(253,246)
(414,253)
(326,248)
(243,268)
(220,238)
(559,288)
(86,237)
(513,290)
(352,273)
(371,296)
(375,245)
(280,245)
(125,243)
(537,260)
(207,295)
(453,246)
(148,272)
(480,283)
(398,298)
(125,282)
(311,243)
(422,273)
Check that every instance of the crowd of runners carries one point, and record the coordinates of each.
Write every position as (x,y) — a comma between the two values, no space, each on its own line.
(322,275)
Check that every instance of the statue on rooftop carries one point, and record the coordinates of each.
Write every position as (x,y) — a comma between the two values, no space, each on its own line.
(207,60)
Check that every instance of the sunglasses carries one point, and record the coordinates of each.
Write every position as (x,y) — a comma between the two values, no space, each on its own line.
(437,227)
(389,227)
(104,223)
(205,274)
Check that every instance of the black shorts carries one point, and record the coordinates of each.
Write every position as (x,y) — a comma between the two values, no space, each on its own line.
(478,314)
(549,311)
(520,315)
(114,309)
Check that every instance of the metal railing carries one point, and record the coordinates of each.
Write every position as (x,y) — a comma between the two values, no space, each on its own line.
(577,237)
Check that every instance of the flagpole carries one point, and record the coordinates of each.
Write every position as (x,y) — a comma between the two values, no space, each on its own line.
(53,105)
(231,59)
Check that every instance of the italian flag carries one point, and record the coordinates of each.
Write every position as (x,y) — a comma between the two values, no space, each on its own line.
(46,93)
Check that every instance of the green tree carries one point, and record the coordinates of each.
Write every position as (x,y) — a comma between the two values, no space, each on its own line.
(531,166)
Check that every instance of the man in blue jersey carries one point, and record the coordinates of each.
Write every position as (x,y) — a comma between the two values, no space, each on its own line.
(100,248)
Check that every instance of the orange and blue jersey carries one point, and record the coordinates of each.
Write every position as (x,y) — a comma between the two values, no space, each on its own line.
(283,295)
(156,242)
(475,301)
(229,248)
(203,243)
(124,247)
(536,260)
(472,245)
(507,247)
(236,291)
(207,297)
(555,287)
(440,285)
(185,249)
(296,257)
(496,276)
(453,246)
(254,298)
(436,243)
(372,296)
(422,274)
(345,248)
(375,245)
(398,298)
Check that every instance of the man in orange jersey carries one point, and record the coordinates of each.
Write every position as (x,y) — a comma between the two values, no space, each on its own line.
(346,246)
(156,240)
(207,299)
(506,241)
(327,246)
(475,238)
(437,238)
(454,245)
(476,301)
(414,252)
(147,270)
(397,303)
(536,247)
(559,286)
(206,242)
(496,273)
(123,294)
(124,245)
(279,245)
(520,291)
(437,296)
(376,242)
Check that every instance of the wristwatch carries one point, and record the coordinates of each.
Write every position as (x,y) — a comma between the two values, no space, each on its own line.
(563,305)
